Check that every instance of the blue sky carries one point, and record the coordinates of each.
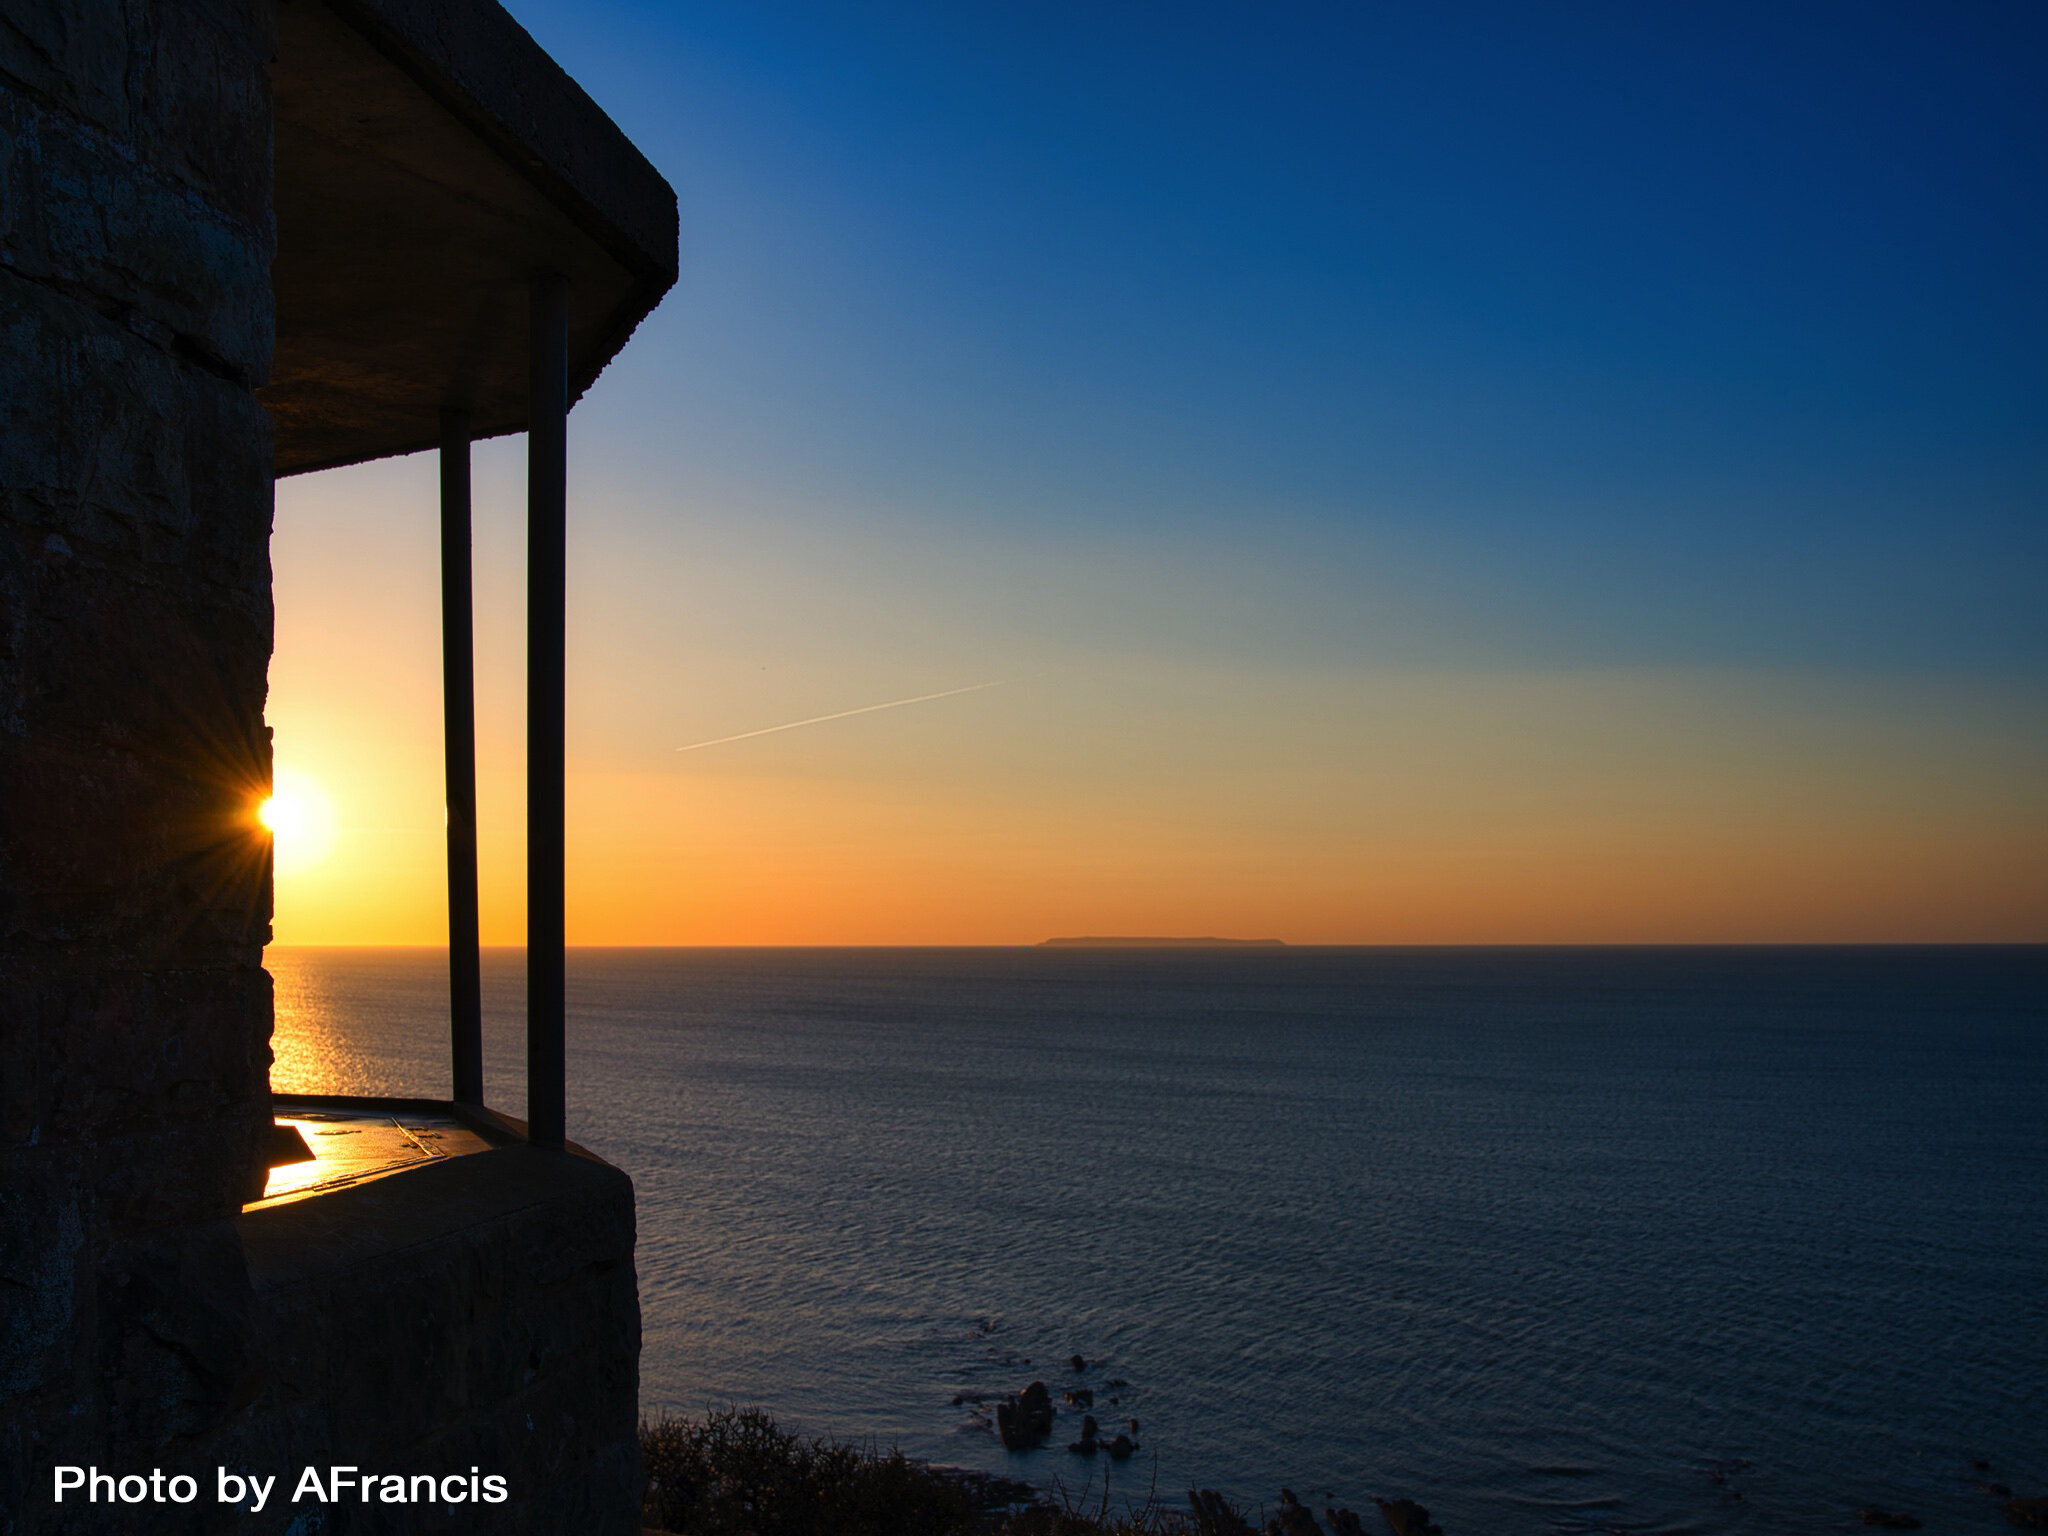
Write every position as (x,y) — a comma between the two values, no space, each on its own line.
(1640,334)
(1644,396)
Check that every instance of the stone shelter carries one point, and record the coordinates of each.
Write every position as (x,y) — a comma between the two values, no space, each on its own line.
(242,239)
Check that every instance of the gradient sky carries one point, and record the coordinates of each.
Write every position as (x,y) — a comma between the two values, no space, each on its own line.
(1420,473)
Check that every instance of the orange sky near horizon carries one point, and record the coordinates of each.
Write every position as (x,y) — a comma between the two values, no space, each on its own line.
(1413,484)
(1113,791)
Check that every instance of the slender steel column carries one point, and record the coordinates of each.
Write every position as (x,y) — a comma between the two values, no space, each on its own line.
(458,710)
(547,489)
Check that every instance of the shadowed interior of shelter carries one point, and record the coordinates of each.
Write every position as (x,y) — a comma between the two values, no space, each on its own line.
(429,166)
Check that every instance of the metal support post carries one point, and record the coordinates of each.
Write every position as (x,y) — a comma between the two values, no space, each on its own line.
(546,632)
(458,707)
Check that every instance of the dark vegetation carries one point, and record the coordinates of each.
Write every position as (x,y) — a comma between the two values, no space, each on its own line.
(736,1473)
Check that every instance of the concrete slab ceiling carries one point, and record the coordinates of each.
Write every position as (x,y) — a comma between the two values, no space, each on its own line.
(431,159)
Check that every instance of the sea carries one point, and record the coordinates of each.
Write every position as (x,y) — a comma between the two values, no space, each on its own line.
(1551,1240)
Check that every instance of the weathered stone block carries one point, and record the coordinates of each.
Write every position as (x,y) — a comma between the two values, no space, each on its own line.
(177,87)
(134,640)
(135,319)
(134,245)
(74,56)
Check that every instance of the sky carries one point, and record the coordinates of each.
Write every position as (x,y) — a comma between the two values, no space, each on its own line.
(1413,473)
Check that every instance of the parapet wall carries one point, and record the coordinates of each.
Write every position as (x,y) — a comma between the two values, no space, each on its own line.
(474,1319)
(479,1313)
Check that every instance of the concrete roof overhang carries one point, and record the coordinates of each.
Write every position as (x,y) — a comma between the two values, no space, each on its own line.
(431,161)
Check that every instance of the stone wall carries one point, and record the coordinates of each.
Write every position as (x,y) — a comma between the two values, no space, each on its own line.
(481,1313)
(135,322)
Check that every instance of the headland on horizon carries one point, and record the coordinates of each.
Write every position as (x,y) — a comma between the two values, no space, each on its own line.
(1098,942)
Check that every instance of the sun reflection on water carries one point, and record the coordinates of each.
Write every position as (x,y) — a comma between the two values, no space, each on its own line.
(374,1022)
(310,1050)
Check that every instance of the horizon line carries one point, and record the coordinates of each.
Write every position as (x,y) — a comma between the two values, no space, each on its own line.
(1036,944)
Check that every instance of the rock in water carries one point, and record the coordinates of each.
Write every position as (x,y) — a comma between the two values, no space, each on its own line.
(1405,1517)
(1078,1362)
(2027,1514)
(1025,1419)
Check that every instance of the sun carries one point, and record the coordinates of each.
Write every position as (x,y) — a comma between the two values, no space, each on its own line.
(300,819)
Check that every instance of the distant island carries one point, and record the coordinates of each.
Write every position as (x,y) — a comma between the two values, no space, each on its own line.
(1151,943)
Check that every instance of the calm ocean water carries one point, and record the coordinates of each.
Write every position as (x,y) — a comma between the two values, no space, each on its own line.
(1552,1240)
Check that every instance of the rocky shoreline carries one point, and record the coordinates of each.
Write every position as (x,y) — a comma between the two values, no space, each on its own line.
(737,1474)
(1024,1420)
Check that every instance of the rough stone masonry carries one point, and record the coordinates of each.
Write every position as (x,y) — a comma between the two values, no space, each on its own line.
(477,1314)
(135,496)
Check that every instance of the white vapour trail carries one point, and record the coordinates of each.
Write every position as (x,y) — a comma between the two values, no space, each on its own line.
(865,709)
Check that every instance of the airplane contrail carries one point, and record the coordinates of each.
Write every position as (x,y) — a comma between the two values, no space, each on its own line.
(865,709)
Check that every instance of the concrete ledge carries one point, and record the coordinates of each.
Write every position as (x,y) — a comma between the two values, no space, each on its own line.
(369,1224)
(476,1311)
